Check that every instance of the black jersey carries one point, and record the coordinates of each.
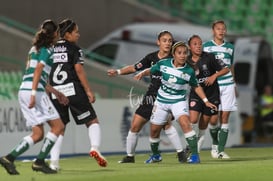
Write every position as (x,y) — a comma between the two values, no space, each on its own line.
(64,78)
(147,62)
(205,67)
(66,55)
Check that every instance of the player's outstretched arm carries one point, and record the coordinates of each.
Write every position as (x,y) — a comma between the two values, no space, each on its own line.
(143,73)
(123,71)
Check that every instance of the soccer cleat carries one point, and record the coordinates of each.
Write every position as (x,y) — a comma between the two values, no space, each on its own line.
(183,155)
(98,157)
(127,159)
(54,165)
(43,168)
(214,151)
(223,155)
(193,159)
(9,166)
(188,150)
(154,159)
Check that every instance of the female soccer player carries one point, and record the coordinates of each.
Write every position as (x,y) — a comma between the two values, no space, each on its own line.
(172,97)
(222,50)
(207,70)
(68,76)
(35,103)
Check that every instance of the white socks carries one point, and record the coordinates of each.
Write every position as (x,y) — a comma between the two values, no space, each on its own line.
(201,139)
(29,140)
(195,128)
(131,143)
(56,149)
(174,138)
(94,134)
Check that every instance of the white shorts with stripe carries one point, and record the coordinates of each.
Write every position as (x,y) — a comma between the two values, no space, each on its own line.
(228,98)
(43,110)
(161,111)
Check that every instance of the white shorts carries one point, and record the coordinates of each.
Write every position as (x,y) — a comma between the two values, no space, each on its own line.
(161,111)
(228,98)
(43,110)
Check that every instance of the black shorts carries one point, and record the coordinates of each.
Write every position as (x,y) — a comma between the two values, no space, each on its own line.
(146,107)
(80,107)
(198,105)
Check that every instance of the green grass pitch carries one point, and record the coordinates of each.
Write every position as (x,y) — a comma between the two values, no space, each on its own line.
(247,164)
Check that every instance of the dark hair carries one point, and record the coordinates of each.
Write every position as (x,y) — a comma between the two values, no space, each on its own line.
(162,33)
(178,44)
(67,25)
(192,37)
(46,35)
(218,22)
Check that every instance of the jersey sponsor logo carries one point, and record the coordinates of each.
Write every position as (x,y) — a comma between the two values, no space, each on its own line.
(60,57)
(67,90)
(174,72)
(60,49)
(172,79)
(167,89)
(84,115)
(156,77)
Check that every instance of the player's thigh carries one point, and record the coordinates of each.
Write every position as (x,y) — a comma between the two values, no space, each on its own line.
(180,108)
(159,114)
(228,99)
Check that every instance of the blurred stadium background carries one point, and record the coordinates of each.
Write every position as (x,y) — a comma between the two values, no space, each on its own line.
(96,18)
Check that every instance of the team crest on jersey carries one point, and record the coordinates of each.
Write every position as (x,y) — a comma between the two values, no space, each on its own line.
(205,70)
(192,103)
(204,67)
(185,76)
(139,65)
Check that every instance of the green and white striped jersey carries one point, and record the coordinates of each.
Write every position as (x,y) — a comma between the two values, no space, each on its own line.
(44,56)
(225,52)
(175,82)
